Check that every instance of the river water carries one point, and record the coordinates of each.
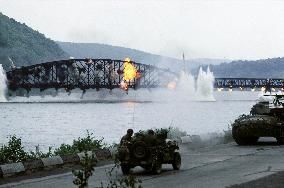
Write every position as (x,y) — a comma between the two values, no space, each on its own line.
(50,121)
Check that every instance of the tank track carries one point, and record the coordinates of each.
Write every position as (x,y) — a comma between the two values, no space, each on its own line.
(247,129)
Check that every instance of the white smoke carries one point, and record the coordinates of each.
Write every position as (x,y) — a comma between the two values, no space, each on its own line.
(187,89)
(186,86)
(199,90)
(3,84)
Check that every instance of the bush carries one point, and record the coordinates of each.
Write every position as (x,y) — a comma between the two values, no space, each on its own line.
(83,175)
(14,152)
(113,180)
(37,154)
(88,143)
(65,149)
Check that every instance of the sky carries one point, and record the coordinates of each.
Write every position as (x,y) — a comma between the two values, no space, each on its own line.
(231,29)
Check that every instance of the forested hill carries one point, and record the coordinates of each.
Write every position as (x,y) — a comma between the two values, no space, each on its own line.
(264,68)
(95,50)
(24,45)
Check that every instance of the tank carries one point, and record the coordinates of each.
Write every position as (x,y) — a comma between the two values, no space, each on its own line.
(149,152)
(266,119)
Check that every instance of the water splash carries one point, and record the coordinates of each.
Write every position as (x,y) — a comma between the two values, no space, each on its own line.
(3,84)
(199,90)
(205,81)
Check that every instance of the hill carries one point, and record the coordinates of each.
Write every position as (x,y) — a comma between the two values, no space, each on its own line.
(264,68)
(95,50)
(24,45)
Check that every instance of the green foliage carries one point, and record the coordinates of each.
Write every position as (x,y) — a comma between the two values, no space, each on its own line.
(37,154)
(115,181)
(13,152)
(25,45)
(83,175)
(249,69)
(88,143)
(161,133)
(65,149)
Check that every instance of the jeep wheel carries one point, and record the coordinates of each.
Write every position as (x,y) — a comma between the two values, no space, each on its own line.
(157,168)
(125,169)
(139,150)
(177,161)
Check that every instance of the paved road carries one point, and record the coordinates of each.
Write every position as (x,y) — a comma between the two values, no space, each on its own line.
(215,166)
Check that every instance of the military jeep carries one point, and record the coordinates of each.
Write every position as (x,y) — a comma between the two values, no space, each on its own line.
(149,152)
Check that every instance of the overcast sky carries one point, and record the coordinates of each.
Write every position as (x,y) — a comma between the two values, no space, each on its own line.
(233,29)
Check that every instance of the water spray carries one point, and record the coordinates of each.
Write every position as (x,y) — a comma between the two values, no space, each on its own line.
(200,89)
(3,85)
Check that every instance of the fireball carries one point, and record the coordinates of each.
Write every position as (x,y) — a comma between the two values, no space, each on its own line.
(129,71)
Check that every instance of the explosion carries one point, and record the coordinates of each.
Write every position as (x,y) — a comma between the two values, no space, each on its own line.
(129,71)
(124,86)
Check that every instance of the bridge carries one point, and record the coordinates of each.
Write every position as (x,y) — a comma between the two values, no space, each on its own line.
(266,83)
(87,74)
(107,73)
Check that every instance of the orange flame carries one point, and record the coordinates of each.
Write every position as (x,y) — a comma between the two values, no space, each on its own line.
(129,71)
(124,86)
(172,85)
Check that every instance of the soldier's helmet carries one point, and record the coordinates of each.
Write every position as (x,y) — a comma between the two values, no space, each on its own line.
(130,131)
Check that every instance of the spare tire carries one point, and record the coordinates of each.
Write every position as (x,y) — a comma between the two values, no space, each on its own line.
(139,150)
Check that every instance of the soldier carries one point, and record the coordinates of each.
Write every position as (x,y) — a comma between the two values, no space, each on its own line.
(151,138)
(127,137)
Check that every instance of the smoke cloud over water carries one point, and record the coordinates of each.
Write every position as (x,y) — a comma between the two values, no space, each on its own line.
(199,90)
(3,86)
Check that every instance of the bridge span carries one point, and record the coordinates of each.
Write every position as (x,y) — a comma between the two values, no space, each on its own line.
(107,73)
(87,74)
(242,83)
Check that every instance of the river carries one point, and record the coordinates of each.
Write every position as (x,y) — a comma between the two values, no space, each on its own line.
(50,121)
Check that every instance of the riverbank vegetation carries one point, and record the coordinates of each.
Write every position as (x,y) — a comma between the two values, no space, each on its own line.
(14,151)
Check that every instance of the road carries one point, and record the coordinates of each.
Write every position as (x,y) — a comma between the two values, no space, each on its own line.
(215,166)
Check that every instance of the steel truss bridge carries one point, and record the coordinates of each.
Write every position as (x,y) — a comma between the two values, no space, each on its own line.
(85,74)
(242,83)
(108,73)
